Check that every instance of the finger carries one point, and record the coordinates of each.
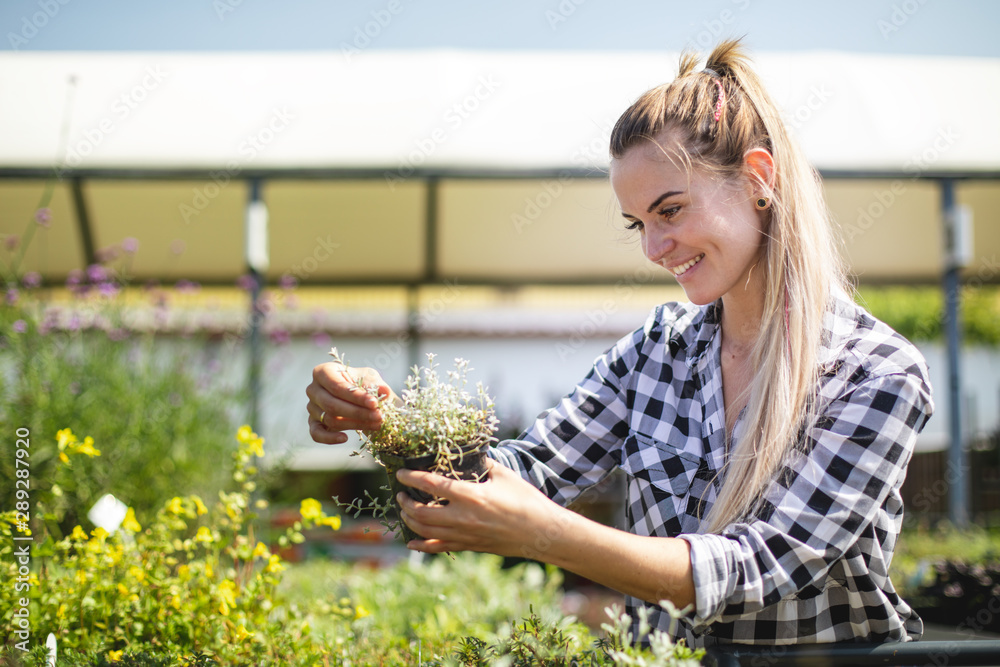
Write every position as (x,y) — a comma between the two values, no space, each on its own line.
(340,415)
(325,436)
(342,383)
(436,485)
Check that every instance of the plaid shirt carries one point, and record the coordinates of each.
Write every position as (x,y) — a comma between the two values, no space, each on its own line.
(811,565)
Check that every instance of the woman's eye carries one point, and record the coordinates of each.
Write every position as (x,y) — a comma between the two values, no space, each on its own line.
(633,225)
(669,211)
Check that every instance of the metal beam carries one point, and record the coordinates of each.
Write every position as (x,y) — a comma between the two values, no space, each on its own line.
(83,222)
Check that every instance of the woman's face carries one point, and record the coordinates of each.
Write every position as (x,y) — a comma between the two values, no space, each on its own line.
(703,229)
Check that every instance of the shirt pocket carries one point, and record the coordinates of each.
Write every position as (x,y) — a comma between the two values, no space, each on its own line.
(659,501)
(659,463)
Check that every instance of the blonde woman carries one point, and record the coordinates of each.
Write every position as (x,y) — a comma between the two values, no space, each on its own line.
(765,427)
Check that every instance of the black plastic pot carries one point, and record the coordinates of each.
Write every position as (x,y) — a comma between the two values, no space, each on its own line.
(471,466)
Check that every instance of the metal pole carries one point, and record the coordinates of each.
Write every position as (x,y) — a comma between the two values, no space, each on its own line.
(257,264)
(958,464)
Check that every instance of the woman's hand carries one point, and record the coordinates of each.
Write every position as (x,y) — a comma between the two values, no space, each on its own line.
(504,515)
(336,403)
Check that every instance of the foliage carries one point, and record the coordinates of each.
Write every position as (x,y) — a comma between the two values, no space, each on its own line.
(435,416)
(193,580)
(917,313)
(150,411)
(918,550)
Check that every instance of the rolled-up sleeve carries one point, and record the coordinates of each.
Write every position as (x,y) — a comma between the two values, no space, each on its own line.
(843,480)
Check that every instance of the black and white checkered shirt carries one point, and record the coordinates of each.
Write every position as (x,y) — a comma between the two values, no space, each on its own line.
(812,564)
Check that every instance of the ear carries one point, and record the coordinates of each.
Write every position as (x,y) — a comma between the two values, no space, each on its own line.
(760,169)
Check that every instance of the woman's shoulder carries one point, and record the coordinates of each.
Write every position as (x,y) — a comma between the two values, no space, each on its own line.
(855,337)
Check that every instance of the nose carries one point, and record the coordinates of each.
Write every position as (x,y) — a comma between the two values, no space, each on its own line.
(657,242)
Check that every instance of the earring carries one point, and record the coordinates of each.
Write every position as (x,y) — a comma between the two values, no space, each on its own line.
(762,203)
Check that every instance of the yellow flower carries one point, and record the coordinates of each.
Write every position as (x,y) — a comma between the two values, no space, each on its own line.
(130,524)
(261,504)
(360,612)
(81,577)
(204,535)
(88,447)
(64,458)
(257,447)
(260,551)
(311,509)
(79,534)
(199,506)
(183,571)
(245,434)
(99,533)
(137,573)
(65,438)
(115,656)
(274,564)
(61,611)
(227,591)
(332,521)
(242,633)
(175,602)
(122,589)
(209,572)
(175,506)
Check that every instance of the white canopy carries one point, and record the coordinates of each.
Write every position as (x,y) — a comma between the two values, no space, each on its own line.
(483,109)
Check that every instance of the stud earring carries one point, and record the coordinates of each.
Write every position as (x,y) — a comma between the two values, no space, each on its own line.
(762,203)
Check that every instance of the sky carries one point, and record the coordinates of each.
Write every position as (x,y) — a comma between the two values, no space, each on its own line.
(926,27)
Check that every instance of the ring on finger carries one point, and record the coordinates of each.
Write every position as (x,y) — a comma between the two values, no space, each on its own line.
(322,416)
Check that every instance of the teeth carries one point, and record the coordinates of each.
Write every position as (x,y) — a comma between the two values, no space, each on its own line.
(678,270)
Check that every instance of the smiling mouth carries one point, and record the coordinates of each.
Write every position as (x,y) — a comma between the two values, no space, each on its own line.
(681,269)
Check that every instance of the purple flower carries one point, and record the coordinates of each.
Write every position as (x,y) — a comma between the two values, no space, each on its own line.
(20,326)
(107,289)
(280,336)
(96,273)
(118,334)
(43,217)
(32,279)
(105,255)
(11,242)
(74,278)
(130,245)
(288,281)
(321,339)
(74,323)
(246,282)
(12,295)
(187,286)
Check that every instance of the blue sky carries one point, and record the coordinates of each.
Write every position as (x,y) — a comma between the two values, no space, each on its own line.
(931,27)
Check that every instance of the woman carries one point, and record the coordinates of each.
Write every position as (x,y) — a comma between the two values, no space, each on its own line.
(765,427)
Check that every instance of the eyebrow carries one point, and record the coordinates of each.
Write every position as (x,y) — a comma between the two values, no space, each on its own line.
(661,198)
(655,203)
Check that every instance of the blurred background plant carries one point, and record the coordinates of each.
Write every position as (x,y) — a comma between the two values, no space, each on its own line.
(159,417)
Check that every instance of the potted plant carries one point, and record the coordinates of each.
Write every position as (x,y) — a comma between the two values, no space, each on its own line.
(436,425)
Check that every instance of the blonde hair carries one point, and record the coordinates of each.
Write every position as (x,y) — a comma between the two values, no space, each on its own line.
(800,260)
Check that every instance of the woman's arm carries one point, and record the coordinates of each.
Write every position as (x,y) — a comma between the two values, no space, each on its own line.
(509,517)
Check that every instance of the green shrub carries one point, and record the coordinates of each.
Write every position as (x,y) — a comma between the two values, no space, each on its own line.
(918,312)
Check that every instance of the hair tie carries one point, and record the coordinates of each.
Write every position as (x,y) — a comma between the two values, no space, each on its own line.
(721,100)
(717,80)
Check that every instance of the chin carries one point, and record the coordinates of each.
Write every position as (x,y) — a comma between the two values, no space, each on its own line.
(700,298)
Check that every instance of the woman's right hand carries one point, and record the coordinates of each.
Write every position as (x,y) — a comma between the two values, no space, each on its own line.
(337,404)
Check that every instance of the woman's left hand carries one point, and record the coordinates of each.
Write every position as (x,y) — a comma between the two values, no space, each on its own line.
(504,515)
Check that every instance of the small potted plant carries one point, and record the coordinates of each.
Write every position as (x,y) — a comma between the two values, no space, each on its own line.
(436,425)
